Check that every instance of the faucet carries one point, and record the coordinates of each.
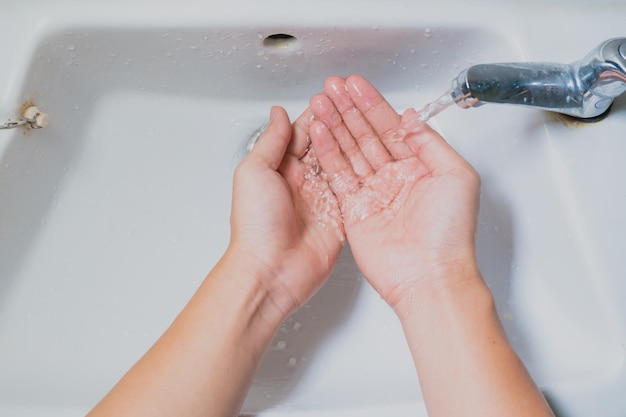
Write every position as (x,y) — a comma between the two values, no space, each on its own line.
(584,89)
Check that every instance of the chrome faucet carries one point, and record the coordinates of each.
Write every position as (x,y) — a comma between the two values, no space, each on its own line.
(584,89)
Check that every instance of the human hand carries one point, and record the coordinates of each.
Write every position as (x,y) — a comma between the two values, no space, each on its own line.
(409,201)
(285,221)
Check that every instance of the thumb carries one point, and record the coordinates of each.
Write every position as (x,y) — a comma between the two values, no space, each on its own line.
(430,147)
(273,142)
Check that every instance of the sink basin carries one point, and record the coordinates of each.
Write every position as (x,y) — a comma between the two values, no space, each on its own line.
(112,215)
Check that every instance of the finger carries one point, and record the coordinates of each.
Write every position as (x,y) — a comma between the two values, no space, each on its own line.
(365,136)
(273,142)
(379,114)
(341,177)
(300,140)
(357,124)
(293,171)
(325,111)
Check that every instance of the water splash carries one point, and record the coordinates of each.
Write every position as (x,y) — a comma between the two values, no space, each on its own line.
(435,107)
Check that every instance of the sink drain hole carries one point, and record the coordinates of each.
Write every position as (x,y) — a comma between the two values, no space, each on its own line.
(280,41)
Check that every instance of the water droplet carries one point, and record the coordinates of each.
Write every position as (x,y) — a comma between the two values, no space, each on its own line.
(507,316)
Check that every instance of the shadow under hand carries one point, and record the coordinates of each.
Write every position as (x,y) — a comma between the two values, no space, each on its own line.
(293,347)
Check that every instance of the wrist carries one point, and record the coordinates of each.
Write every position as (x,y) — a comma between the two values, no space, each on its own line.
(248,282)
(206,360)
(446,284)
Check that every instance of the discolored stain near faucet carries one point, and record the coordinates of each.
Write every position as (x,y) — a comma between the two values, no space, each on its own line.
(31,116)
(576,122)
(25,104)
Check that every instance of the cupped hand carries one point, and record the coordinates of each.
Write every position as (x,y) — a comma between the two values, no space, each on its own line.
(285,220)
(409,201)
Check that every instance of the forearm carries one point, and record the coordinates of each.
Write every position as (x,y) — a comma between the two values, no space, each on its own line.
(465,363)
(204,363)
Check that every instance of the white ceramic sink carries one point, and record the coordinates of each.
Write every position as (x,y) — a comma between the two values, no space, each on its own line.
(112,215)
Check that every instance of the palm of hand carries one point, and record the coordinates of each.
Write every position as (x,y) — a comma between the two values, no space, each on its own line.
(403,206)
(408,224)
(286,219)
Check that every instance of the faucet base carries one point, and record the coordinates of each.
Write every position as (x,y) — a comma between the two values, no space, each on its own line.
(593,119)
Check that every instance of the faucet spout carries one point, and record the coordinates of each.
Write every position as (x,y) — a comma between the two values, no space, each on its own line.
(583,89)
